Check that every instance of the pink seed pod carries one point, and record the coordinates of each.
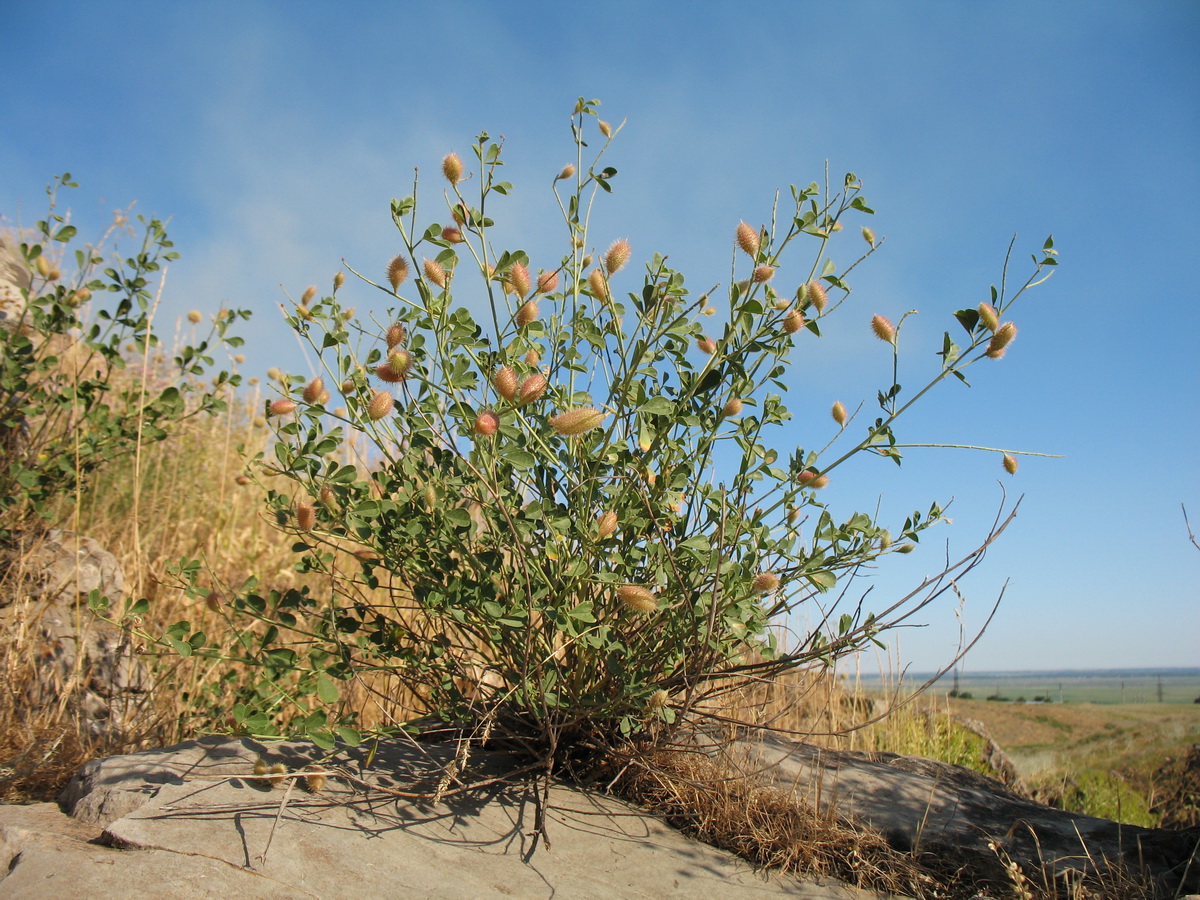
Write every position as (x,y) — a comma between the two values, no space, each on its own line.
(532,389)
(452,168)
(765,582)
(313,390)
(452,235)
(486,424)
(281,407)
(989,316)
(884,329)
(763,274)
(435,272)
(397,334)
(505,383)
(532,358)
(518,279)
(527,313)
(637,599)
(1010,464)
(306,516)
(397,271)
(381,404)
(813,294)
(1000,340)
(575,422)
(547,282)
(747,239)
(598,285)
(396,368)
(811,479)
(308,295)
(793,322)
(242,480)
(617,256)
(732,408)
(707,344)
(606,525)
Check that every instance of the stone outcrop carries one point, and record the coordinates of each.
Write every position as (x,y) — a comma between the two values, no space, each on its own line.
(44,591)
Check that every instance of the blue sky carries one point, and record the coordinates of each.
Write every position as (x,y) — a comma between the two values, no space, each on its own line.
(274,135)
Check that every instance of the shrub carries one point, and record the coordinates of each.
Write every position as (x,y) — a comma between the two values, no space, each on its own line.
(570,502)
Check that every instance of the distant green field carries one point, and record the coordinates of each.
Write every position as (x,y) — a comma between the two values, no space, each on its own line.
(1069,686)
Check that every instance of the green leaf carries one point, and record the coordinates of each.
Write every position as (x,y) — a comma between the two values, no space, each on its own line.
(659,406)
(823,580)
(326,689)
(520,459)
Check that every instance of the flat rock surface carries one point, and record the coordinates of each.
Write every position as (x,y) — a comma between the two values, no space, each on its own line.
(194,821)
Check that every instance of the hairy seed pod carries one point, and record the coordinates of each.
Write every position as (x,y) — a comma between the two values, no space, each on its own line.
(547,282)
(617,256)
(1010,464)
(303,312)
(1000,340)
(435,272)
(194,316)
(839,413)
(79,297)
(381,404)
(308,295)
(577,421)
(605,128)
(532,358)
(568,171)
(281,407)
(637,599)
(429,497)
(314,782)
(732,408)
(505,383)
(989,316)
(213,601)
(815,295)
(327,497)
(518,279)
(339,278)
(747,238)
(793,322)
(707,344)
(260,766)
(885,539)
(313,390)
(598,286)
(868,235)
(397,334)
(765,582)
(793,515)
(452,235)
(306,516)
(709,311)
(884,329)
(43,267)
(527,313)
(486,424)
(532,388)
(658,699)
(397,271)
(452,168)
(459,213)
(242,480)
(811,479)
(396,367)
(606,525)
(906,548)
(763,274)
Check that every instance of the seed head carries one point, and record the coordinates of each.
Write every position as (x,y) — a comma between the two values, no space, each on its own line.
(811,479)
(303,312)
(309,293)
(709,311)
(605,128)
(242,480)
(315,782)
(885,539)
(906,548)
(505,382)
(486,423)
(765,582)
(381,404)
(532,389)
(452,168)
(547,282)
(79,297)
(868,235)
(194,316)
(597,284)
(617,256)
(435,273)
(763,274)
(793,322)
(989,316)
(213,601)
(397,334)
(1000,340)
(637,599)
(452,235)
(313,390)
(793,515)
(339,279)
(839,413)
(306,516)
(527,313)
(658,699)
(532,358)
(606,525)
(281,407)
(707,344)
(813,294)
(1010,464)
(568,171)
(884,330)
(747,239)
(577,421)
(732,408)
(397,272)
(518,279)
(397,366)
